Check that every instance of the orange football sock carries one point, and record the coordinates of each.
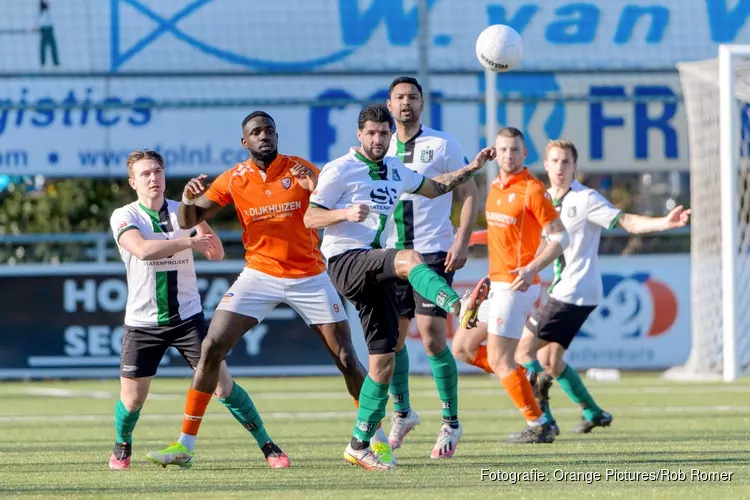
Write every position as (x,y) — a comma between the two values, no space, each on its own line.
(480,360)
(519,389)
(195,407)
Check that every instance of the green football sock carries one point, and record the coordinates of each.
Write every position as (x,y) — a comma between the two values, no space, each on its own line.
(433,287)
(372,400)
(241,406)
(445,373)
(535,366)
(125,422)
(399,387)
(571,383)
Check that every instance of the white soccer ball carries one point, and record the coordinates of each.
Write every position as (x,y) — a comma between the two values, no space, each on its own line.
(499,48)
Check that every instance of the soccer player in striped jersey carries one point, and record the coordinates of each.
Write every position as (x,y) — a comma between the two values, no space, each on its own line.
(576,289)
(355,196)
(164,307)
(424,225)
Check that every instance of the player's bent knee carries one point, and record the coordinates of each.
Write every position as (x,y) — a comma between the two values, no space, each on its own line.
(406,260)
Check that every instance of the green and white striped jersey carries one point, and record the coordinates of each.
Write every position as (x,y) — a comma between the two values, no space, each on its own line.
(585,213)
(160,292)
(421,223)
(353,179)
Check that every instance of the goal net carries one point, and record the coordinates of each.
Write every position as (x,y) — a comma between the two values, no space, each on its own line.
(717,103)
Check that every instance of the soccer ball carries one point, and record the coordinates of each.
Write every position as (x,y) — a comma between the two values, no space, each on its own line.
(499,48)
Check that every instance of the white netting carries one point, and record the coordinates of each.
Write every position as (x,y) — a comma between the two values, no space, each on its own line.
(700,83)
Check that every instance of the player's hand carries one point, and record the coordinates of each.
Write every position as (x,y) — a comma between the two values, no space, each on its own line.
(457,256)
(305,177)
(356,213)
(214,251)
(487,154)
(524,279)
(204,243)
(195,187)
(678,217)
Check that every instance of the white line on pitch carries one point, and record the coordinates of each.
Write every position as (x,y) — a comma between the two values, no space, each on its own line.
(323,415)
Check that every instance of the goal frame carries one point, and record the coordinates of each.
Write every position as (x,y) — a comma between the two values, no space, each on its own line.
(729,138)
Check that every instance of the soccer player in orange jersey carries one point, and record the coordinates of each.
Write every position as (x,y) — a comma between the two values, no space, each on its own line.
(270,193)
(518,209)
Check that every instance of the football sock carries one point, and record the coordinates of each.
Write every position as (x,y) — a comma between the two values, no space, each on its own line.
(241,406)
(433,287)
(195,407)
(571,383)
(445,373)
(535,366)
(125,422)
(399,387)
(372,401)
(519,389)
(481,361)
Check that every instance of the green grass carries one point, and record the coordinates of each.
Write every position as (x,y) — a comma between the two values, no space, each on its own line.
(59,445)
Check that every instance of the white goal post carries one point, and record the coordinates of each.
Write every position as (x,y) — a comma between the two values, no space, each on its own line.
(717,103)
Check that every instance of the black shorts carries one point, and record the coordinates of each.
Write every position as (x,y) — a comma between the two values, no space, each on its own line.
(365,278)
(410,302)
(558,322)
(144,347)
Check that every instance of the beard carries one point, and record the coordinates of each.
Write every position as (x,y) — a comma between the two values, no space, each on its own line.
(411,119)
(265,157)
(374,156)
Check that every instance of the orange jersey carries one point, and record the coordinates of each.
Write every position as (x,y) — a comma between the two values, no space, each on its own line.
(271,211)
(516,212)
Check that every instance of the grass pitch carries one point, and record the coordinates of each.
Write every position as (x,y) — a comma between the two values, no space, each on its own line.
(56,437)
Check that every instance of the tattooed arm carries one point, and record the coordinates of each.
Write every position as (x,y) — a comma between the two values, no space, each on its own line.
(442,184)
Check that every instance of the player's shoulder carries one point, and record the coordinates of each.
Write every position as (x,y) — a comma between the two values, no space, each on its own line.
(437,135)
(394,161)
(172,205)
(298,159)
(128,211)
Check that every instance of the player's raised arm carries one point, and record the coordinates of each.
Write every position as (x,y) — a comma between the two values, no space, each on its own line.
(445,183)
(196,206)
(639,224)
(129,237)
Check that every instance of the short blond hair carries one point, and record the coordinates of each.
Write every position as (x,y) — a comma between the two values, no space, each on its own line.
(510,132)
(143,154)
(562,144)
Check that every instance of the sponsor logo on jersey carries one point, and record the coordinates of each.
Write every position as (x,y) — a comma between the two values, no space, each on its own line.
(496,218)
(274,210)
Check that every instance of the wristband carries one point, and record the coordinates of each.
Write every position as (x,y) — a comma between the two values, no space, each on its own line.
(185,201)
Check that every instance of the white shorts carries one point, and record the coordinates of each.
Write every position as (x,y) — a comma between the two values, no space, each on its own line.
(505,311)
(255,294)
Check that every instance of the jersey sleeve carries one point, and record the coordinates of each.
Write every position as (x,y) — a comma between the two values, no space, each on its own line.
(219,192)
(411,179)
(601,212)
(455,158)
(541,206)
(329,190)
(122,220)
